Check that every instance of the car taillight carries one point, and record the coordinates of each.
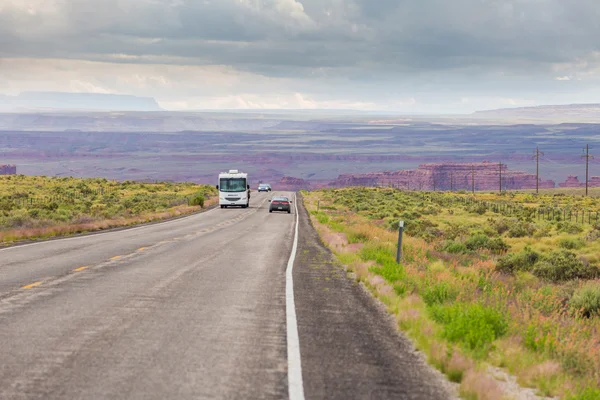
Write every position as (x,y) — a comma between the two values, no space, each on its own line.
(285,203)
(275,202)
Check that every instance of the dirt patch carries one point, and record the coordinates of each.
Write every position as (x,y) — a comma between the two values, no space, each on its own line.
(511,388)
(337,241)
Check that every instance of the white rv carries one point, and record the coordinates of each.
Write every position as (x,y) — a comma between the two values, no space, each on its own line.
(234,189)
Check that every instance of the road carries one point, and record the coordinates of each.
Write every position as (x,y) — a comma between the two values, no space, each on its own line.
(199,307)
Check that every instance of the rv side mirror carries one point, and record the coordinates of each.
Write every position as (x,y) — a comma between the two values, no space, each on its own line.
(217,187)
(248,186)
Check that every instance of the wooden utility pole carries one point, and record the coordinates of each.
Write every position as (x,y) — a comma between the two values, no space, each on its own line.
(451,181)
(587,166)
(500,165)
(473,179)
(537,169)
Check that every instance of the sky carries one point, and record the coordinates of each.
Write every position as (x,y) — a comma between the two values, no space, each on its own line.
(434,56)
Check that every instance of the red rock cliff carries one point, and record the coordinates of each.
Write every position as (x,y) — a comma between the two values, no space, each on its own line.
(456,176)
(291,183)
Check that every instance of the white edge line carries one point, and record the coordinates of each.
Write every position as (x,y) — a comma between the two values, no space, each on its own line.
(100,233)
(295,386)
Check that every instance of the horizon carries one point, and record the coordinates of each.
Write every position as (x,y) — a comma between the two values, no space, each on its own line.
(61,107)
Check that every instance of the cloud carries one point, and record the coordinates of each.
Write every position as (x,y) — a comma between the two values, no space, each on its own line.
(249,101)
(332,51)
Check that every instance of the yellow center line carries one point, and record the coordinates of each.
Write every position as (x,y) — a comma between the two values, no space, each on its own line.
(115,257)
(80,269)
(141,249)
(32,285)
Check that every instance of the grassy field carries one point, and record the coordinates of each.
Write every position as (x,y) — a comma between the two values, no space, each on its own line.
(34,207)
(485,282)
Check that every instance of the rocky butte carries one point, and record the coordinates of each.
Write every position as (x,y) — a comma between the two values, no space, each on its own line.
(448,176)
(291,183)
(573,182)
(8,169)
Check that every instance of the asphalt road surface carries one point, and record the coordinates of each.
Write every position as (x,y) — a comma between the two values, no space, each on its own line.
(194,308)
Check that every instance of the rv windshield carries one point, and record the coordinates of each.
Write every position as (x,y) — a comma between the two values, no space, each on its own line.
(232,184)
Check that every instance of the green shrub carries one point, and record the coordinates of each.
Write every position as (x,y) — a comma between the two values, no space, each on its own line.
(519,229)
(420,228)
(477,208)
(522,261)
(322,218)
(563,265)
(357,237)
(386,262)
(497,245)
(34,212)
(456,230)
(569,227)
(571,243)
(455,247)
(501,225)
(586,394)
(50,206)
(586,300)
(438,293)
(477,242)
(542,231)
(198,200)
(473,325)
(430,210)
(19,219)
(489,231)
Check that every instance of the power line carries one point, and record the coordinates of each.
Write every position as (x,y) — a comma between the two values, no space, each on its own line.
(537,169)
(500,165)
(587,166)
(473,179)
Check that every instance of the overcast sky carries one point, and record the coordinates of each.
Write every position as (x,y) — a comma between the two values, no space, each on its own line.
(392,55)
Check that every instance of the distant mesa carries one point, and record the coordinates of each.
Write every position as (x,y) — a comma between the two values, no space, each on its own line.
(447,176)
(573,182)
(8,169)
(36,101)
(291,183)
(574,112)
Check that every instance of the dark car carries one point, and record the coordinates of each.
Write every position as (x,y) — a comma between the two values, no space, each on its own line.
(264,187)
(280,204)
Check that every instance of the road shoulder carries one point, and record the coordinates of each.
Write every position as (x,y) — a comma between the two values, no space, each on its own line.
(349,345)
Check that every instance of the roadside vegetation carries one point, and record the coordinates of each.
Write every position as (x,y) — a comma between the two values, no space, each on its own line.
(35,207)
(487,281)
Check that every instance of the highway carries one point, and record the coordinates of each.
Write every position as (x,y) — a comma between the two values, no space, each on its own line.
(203,307)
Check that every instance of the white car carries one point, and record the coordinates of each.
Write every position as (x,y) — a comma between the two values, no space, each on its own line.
(264,187)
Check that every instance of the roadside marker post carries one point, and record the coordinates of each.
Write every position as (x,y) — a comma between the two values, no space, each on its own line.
(399,252)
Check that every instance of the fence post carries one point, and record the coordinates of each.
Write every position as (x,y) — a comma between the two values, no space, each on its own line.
(399,252)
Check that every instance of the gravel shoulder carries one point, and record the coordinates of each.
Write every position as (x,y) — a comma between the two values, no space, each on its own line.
(350,347)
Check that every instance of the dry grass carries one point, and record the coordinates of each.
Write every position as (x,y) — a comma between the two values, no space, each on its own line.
(66,229)
(544,347)
(481,386)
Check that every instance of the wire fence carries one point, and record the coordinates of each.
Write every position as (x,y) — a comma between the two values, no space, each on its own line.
(70,198)
(572,214)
